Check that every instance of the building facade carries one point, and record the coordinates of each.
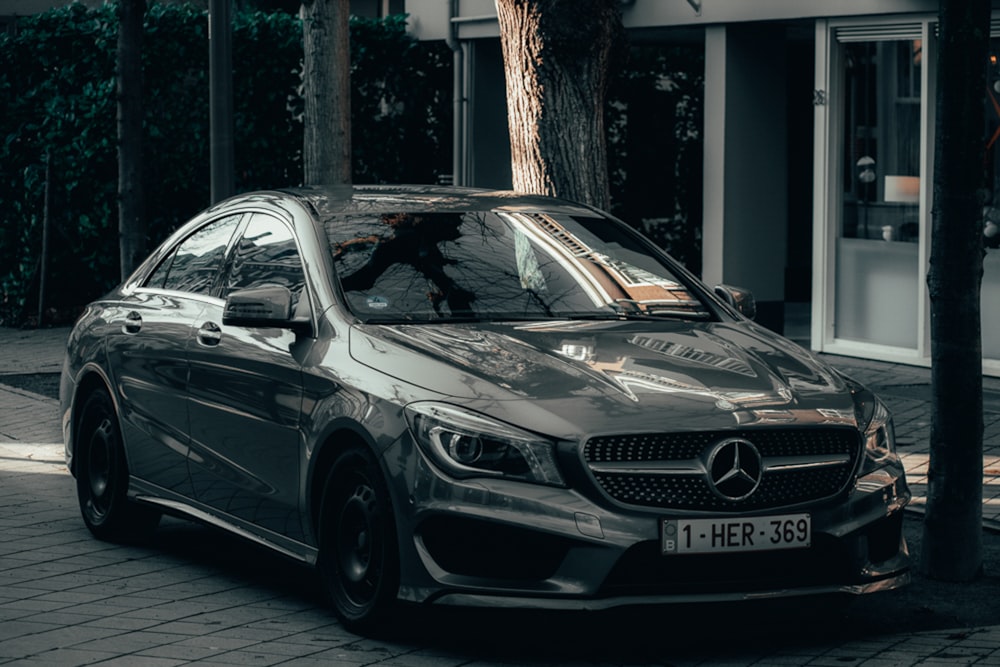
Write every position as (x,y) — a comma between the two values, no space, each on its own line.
(818,153)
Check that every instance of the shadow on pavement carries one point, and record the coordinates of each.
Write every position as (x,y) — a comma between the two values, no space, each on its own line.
(639,634)
(42,500)
(233,558)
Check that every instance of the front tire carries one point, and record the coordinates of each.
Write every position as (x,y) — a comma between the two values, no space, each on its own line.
(359,556)
(102,475)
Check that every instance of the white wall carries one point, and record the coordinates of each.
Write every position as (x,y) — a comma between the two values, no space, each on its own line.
(477,18)
(746,158)
(646,13)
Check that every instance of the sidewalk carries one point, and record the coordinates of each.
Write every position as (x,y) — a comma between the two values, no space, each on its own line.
(28,417)
(907,392)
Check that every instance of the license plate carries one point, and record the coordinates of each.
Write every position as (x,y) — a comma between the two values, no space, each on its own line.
(759,533)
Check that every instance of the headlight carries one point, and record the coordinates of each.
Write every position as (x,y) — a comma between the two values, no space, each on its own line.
(467,444)
(876,427)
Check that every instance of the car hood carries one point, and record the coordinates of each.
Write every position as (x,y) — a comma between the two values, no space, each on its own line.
(604,376)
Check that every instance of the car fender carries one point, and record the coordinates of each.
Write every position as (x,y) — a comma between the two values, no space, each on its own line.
(90,377)
(320,451)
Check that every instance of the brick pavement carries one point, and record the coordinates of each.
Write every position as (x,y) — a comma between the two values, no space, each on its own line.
(906,390)
(195,596)
(25,416)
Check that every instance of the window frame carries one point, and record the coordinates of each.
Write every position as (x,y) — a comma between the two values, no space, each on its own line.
(171,254)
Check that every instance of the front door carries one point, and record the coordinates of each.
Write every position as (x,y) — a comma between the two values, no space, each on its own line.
(246,393)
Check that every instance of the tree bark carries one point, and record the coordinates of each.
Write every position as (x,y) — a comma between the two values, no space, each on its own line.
(131,223)
(952,544)
(327,92)
(557,56)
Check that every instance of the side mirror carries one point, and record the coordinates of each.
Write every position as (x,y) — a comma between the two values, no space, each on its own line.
(266,306)
(740,299)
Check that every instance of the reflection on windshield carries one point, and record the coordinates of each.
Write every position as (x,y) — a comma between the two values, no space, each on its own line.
(500,265)
(413,241)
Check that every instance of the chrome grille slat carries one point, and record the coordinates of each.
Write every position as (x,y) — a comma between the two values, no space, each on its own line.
(805,462)
(650,468)
(667,470)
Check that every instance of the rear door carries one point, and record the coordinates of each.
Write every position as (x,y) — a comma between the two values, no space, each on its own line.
(147,350)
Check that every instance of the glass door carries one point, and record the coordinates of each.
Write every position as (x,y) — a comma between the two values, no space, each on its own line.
(877,265)
(990,299)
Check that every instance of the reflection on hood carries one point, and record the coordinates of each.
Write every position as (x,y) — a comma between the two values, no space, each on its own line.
(739,369)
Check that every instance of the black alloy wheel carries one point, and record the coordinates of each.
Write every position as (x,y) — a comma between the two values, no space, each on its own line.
(102,475)
(359,557)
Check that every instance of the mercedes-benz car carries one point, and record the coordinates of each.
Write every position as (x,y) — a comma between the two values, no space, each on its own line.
(458,396)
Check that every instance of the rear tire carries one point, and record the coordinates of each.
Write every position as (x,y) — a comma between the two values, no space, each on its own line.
(102,475)
(358,555)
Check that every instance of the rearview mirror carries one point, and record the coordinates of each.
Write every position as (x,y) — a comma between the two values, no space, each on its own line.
(266,306)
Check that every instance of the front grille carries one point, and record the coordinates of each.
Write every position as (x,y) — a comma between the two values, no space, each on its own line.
(669,470)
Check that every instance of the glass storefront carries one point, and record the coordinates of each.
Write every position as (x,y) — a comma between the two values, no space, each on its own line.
(875,201)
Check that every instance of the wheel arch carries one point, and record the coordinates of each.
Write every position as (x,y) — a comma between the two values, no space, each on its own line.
(91,379)
(341,436)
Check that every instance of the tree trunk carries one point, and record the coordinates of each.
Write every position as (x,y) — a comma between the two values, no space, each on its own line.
(327,92)
(557,56)
(953,543)
(220,100)
(131,225)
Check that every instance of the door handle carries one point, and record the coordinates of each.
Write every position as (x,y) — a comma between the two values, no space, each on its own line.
(209,334)
(132,324)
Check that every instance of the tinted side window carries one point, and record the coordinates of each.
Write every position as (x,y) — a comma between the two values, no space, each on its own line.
(192,267)
(266,255)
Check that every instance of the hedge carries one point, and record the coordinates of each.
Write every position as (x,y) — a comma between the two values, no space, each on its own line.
(57,103)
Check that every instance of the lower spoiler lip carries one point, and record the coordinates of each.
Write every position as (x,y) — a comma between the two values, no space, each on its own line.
(889,583)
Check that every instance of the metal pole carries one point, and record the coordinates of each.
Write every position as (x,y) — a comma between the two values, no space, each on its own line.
(43,267)
(457,94)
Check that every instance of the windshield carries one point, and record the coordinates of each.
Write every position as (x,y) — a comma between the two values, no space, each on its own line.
(501,265)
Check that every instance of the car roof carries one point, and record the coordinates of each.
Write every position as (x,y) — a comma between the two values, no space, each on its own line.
(331,201)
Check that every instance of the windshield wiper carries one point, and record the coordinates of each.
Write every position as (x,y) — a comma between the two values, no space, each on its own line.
(461,319)
(658,308)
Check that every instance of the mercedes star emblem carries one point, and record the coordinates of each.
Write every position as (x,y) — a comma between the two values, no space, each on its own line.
(735,468)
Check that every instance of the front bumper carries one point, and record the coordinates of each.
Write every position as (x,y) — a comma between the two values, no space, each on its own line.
(493,542)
